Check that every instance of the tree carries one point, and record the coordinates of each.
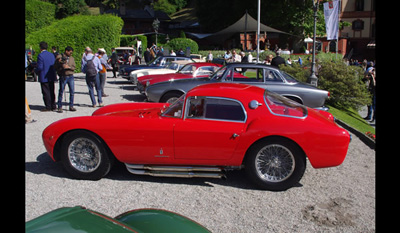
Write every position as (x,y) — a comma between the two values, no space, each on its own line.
(66,8)
(164,5)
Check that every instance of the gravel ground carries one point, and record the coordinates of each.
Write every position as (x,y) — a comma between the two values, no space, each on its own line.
(339,199)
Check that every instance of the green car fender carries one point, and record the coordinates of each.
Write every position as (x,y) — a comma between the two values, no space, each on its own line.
(80,219)
(156,220)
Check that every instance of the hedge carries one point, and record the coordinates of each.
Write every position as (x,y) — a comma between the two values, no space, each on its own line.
(182,43)
(38,14)
(99,31)
(343,82)
(129,40)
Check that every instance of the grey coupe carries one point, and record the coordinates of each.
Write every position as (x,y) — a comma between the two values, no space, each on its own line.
(265,76)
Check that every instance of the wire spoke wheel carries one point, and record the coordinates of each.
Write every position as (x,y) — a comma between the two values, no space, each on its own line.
(84,155)
(274,163)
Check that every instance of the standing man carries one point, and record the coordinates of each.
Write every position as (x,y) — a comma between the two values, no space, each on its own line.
(47,76)
(65,67)
(278,60)
(147,56)
(113,60)
(91,66)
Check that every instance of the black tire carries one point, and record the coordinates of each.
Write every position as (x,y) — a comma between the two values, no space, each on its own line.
(170,97)
(275,164)
(84,155)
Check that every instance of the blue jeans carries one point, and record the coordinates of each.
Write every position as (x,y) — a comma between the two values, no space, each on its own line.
(94,81)
(64,80)
(371,109)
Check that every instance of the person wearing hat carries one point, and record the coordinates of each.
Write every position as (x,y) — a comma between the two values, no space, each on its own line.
(65,67)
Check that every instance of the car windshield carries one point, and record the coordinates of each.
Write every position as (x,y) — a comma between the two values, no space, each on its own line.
(173,66)
(288,77)
(219,73)
(279,105)
(176,108)
(156,61)
(187,69)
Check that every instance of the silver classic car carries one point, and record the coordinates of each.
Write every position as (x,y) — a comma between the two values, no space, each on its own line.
(265,76)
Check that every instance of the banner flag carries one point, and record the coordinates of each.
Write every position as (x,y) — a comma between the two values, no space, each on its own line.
(331,13)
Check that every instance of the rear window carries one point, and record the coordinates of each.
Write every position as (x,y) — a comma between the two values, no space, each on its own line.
(279,105)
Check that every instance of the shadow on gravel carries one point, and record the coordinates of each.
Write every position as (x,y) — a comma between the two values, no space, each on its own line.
(45,165)
(237,179)
(135,98)
(119,82)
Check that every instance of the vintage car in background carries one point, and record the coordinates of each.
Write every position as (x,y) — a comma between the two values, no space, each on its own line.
(210,129)
(265,76)
(157,63)
(191,70)
(171,68)
(80,219)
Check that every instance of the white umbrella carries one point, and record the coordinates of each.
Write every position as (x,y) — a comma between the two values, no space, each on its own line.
(308,40)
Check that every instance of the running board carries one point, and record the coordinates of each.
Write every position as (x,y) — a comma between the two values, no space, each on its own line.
(175,171)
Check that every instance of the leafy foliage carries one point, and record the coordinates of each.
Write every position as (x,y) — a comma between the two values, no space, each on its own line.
(102,31)
(342,81)
(183,43)
(66,8)
(38,14)
(129,40)
(164,5)
(345,85)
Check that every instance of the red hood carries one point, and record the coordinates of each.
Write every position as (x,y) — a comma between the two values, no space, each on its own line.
(132,110)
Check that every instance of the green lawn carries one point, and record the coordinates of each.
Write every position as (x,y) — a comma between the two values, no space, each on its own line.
(352,118)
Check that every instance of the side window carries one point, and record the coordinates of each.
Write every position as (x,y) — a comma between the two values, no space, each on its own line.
(205,70)
(212,108)
(169,60)
(196,107)
(272,76)
(249,75)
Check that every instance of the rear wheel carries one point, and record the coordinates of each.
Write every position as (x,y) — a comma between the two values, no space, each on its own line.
(170,97)
(85,156)
(275,164)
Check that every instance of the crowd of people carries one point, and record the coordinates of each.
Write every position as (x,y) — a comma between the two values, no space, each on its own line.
(51,65)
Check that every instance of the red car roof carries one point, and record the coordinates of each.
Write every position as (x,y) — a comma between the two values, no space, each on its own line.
(228,90)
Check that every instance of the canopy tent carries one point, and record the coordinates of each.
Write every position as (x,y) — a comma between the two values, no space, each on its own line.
(244,24)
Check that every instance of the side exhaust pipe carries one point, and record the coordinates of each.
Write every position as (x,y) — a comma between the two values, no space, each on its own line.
(176,171)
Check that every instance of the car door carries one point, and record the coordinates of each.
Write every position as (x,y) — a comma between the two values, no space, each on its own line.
(210,130)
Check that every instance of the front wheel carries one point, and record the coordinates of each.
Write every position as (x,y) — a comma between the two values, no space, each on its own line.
(84,156)
(275,164)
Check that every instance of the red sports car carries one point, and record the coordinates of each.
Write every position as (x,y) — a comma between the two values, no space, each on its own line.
(190,70)
(211,129)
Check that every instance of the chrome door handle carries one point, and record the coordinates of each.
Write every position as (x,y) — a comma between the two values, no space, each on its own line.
(235,135)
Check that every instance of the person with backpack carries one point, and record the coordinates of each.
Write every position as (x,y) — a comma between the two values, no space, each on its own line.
(91,66)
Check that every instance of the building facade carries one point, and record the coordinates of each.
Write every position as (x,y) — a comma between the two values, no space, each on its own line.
(361,34)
